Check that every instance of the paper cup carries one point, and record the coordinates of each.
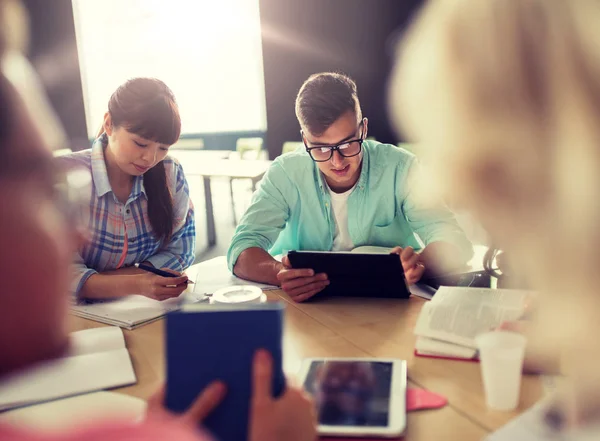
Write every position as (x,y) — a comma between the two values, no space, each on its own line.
(501,355)
(238,294)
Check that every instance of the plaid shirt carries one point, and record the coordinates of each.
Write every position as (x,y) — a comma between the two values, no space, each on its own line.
(120,235)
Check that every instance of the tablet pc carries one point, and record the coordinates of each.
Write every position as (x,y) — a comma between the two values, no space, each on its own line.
(354,274)
(357,397)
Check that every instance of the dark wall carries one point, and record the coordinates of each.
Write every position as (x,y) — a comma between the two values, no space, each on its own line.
(53,53)
(352,36)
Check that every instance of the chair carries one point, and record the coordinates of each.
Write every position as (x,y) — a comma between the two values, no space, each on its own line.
(245,148)
(249,148)
(291,146)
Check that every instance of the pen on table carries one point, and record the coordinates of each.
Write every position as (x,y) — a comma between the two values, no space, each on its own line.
(156,271)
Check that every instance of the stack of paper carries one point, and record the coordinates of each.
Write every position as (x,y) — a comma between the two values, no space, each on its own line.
(98,360)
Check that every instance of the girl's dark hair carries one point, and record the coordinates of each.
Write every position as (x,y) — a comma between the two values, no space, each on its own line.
(147,107)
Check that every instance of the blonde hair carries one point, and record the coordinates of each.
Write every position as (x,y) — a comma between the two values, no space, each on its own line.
(506,93)
(14,26)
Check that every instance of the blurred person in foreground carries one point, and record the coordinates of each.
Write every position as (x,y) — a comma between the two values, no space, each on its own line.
(36,238)
(508,92)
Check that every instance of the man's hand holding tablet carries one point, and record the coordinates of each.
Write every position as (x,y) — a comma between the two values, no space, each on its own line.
(300,283)
(349,274)
(411,263)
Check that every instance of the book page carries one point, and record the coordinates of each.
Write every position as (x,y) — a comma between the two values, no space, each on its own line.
(429,346)
(368,249)
(459,317)
(505,297)
(95,340)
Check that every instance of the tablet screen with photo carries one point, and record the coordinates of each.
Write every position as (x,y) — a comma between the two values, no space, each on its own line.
(351,393)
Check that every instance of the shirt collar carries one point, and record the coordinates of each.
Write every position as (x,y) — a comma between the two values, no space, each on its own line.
(138,188)
(100,174)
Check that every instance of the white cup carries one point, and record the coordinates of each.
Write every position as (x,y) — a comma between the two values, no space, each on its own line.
(238,294)
(501,355)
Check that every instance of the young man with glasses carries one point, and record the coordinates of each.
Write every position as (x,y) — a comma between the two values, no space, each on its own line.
(341,192)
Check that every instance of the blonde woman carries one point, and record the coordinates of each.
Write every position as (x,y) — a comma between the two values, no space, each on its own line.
(506,93)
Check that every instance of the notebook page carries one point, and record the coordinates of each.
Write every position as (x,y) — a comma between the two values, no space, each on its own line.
(68,376)
(127,311)
(96,340)
(368,249)
(86,409)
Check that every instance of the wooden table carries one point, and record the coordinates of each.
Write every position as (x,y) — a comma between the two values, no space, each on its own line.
(384,328)
(356,328)
(198,163)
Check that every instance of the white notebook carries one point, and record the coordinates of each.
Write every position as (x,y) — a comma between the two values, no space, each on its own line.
(130,312)
(86,409)
(98,360)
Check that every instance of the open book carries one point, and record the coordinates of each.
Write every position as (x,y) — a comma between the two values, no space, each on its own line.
(448,324)
(98,359)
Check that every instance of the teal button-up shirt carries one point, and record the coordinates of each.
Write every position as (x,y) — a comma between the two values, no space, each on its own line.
(291,209)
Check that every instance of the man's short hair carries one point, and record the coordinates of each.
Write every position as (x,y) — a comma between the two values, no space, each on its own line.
(323,99)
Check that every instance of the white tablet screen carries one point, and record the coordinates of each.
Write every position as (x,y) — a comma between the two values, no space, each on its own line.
(351,393)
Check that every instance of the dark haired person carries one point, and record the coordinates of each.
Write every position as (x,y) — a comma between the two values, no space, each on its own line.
(140,210)
(340,193)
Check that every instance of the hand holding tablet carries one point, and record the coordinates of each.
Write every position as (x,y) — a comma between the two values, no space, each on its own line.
(300,283)
(354,274)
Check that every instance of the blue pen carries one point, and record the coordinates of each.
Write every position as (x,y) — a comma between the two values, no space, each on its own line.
(156,271)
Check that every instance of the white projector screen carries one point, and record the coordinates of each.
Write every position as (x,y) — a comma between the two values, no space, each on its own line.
(208,52)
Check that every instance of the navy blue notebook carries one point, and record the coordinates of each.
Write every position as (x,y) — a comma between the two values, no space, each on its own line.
(218,342)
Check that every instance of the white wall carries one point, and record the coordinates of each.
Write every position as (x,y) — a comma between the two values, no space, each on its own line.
(207,51)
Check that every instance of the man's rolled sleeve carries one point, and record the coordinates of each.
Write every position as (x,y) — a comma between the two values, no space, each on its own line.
(267,215)
(429,217)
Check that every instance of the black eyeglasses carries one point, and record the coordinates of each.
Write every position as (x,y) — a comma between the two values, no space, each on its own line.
(324,153)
